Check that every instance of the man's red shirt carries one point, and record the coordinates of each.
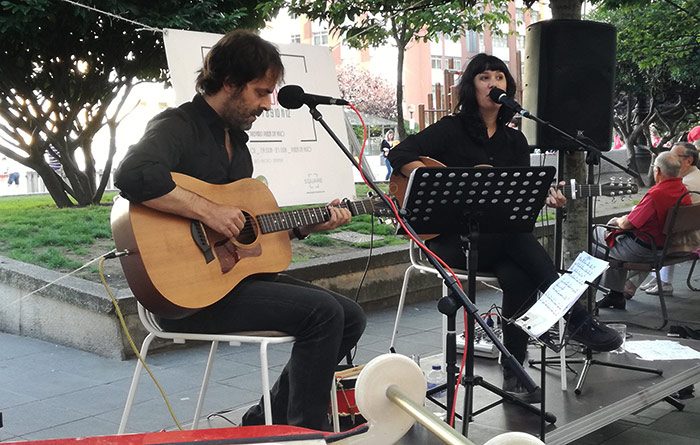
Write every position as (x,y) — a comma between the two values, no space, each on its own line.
(650,214)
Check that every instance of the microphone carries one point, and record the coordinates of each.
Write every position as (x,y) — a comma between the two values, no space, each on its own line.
(293,97)
(499,96)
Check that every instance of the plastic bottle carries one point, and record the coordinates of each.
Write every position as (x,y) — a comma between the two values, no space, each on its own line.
(437,376)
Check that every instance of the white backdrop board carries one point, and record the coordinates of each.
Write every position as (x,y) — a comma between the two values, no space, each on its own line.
(291,152)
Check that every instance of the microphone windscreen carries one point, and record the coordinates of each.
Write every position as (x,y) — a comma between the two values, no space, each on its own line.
(291,96)
(496,94)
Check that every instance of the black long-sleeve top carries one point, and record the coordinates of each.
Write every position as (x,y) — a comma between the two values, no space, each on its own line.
(188,139)
(462,141)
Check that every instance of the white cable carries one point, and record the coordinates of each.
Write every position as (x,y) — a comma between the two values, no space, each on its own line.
(110,14)
(20,299)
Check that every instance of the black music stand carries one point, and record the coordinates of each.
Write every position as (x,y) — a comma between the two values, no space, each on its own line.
(469,201)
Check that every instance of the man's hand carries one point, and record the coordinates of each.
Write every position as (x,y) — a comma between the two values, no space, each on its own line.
(338,217)
(226,220)
(621,222)
(555,198)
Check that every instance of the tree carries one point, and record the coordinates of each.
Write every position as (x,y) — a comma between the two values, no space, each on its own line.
(367,23)
(369,93)
(66,71)
(658,70)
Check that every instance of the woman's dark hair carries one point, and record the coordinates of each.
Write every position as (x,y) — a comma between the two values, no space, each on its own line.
(467,95)
(239,57)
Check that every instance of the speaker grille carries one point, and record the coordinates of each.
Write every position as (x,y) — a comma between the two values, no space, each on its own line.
(569,81)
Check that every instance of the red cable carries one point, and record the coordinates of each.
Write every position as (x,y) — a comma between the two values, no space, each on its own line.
(423,247)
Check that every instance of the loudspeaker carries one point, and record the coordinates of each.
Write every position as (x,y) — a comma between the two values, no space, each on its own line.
(568,81)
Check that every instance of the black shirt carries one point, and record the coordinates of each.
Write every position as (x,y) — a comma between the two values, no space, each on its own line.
(188,139)
(457,141)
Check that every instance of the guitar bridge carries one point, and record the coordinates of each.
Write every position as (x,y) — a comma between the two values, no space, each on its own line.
(199,236)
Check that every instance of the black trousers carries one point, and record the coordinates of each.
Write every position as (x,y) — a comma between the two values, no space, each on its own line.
(522,267)
(326,325)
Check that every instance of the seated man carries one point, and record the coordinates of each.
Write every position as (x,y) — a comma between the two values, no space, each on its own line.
(641,227)
(690,174)
(205,138)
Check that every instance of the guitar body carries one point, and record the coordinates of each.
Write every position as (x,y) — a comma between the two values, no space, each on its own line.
(166,269)
(398,183)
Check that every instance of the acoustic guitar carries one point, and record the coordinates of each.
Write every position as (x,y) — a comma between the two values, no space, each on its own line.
(176,265)
(398,183)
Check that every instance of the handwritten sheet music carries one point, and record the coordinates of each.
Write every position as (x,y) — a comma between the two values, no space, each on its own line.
(561,295)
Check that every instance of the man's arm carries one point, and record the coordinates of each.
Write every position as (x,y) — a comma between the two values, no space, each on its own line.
(227,220)
(621,222)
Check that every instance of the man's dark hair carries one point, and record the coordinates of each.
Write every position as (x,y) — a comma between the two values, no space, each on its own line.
(239,57)
(467,94)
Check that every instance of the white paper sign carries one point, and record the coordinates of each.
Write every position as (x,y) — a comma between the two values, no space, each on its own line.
(291,152)
(561,295)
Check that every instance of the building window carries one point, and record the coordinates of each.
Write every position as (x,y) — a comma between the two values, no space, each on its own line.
(500,41)
(295,38)
(521,42)
(456,63)
(482,45)
(436,62)
(534,16)
(472,42)
(320,37)
(519,17)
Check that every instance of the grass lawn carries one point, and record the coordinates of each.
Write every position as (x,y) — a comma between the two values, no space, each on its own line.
(33,230)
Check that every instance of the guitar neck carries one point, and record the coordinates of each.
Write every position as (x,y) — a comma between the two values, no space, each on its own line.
(276,222)
(582,191)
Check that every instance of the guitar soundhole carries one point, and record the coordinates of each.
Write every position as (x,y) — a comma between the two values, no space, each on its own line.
(249,233)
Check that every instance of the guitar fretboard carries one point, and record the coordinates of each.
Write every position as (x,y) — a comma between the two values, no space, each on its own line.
(275,222)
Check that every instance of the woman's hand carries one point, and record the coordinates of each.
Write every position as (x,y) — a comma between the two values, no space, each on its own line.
(555,198)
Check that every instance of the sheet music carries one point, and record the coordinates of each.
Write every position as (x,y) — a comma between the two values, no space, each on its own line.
(661,350)
(561,295)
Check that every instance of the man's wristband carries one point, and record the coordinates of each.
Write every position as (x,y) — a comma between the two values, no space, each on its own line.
(297,233)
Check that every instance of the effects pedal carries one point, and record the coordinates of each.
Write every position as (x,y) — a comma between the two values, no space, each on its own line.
(483,347)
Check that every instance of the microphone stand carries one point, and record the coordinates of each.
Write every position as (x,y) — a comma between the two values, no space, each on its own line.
(459,295)
(593,157)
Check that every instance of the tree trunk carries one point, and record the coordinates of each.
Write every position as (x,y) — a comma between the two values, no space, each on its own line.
(53,183)
(566,9)
(401,47)
(575,226)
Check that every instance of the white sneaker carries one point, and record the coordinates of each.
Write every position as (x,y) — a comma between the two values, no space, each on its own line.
(648,285)
(666,288)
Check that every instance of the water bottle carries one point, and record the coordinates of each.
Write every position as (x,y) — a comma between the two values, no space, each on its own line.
(437,376)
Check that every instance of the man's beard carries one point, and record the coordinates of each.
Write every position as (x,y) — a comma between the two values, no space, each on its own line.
(235,116)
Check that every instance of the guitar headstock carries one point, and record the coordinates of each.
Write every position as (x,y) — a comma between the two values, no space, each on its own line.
(373,205)
(380,208)
(619,187)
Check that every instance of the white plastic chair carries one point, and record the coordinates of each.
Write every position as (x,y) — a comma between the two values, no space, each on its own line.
(262,338)
(421,265)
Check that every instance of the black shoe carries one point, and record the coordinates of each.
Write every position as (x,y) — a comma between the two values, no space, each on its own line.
(614,300)
(594,335)
(254,416)
(513,387)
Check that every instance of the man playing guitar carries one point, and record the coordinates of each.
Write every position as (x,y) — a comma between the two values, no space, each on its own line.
(205,139)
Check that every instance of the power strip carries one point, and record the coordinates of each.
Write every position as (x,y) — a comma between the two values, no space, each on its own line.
(483,347)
